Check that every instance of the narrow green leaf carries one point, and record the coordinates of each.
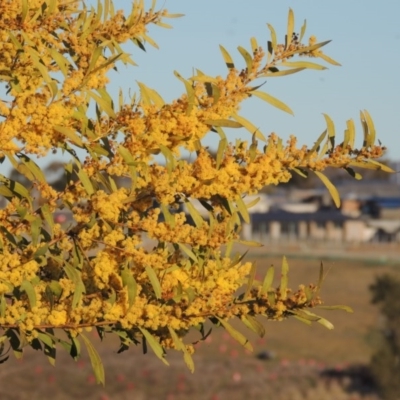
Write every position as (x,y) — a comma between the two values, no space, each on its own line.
(48,217)
(49,346)
(87,184)
(331,188)
(222,145)
(276,73)
(308,49)
(273,37)
(16,188)
(250,281)
(129,281)
(154,344)
(169,218)
(25,9)
(95,360)
(249,126)
(252,323)
(150,96)
(223,122)
(247,58)
(317,144)
(371,164)
(337,307)
(254,45)
(32,167)
(305,321)
(103,104)
(351,132)
(181,346)
(284,278)
(353,173)
(268,279)
(15,343)
(235,334)
(271,295)
(188,252)
(227,58)
(290,28)
(273,101)
(330,129)
(3,305)
(154,281)
(253,202)
(200,77)
(28,288)
(169,158)
(242,209)
(70,134)
(190,92)
(328,59)
(302,64)
(78,293)
(197,218)
(303,30)
(371,129)
(300,172)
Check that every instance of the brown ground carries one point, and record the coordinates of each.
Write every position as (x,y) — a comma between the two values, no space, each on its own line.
(223,369)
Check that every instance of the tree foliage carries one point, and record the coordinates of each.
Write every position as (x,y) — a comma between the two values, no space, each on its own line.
(97,272)
(385,363)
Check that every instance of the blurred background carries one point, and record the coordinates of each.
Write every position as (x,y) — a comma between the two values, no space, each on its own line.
(359,244)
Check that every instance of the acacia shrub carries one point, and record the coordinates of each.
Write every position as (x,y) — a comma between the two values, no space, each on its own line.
(96,273)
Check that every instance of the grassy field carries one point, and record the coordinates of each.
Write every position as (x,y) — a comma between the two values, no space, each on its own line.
(224,370)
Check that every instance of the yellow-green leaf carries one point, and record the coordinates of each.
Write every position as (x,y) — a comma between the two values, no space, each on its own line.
(86,182)
(227,58)
(303,30)
(235,334)
(189,91)
(28,288)
(70,134)
(247,58)
(129,281)
(268,279)
(330,129)
(290,28)
(249,126)
(371,129)
(154,281)
(95,360)
(154,344)
(337,307)
(242,209)
(273,73)
(252,323)
(197,218)
(188,252)
(223,143)
(273,37)
(181,346)
(284,278)
(331,188)
(223,122)
(302,64)
(272,100)
(250,281)
(328,59)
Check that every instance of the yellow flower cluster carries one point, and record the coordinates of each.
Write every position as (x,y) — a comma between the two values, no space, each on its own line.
(131,261)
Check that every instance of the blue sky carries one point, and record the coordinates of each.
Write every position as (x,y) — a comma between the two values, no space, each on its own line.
(365,38)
